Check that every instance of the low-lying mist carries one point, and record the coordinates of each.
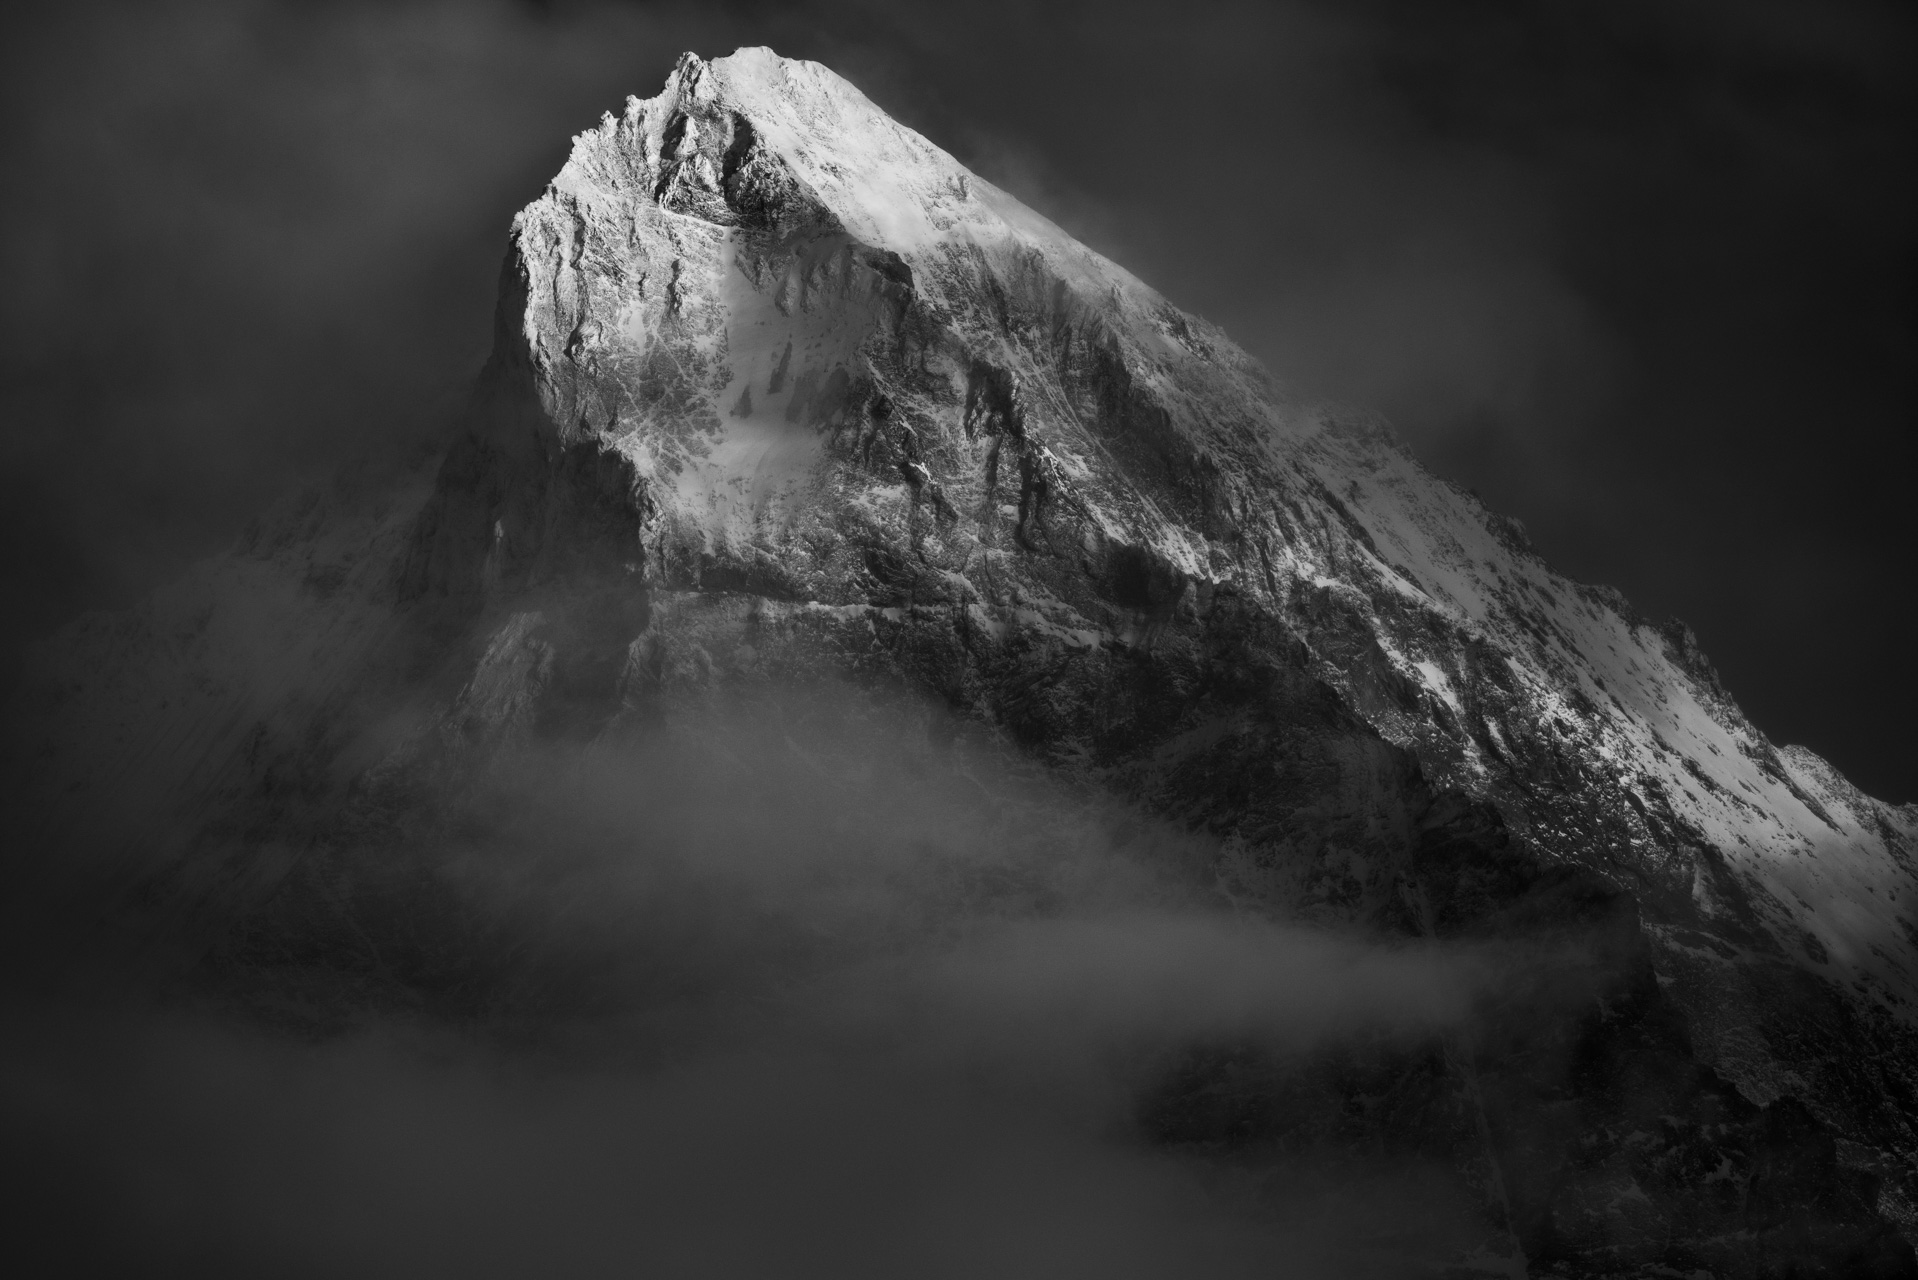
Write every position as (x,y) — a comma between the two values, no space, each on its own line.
(804,987)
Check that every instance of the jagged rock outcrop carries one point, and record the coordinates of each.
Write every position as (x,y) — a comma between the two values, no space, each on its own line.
(781,393)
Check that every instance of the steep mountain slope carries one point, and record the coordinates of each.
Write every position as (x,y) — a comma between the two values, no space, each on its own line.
(782,393)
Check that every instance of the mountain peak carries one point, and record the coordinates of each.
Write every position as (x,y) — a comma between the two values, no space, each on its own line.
(822,345)
(753,108)
(782,394)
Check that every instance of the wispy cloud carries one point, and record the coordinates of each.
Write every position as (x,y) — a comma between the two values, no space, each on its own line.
(797,989)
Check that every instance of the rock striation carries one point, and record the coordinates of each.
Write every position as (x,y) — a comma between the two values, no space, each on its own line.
(782,393)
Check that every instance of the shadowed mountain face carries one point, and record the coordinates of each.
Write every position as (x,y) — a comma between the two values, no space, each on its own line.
(804,453)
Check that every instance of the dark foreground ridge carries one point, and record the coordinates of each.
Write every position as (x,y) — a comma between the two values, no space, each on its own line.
(785,403)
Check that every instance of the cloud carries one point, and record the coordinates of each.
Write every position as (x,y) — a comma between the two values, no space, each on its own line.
(805,986)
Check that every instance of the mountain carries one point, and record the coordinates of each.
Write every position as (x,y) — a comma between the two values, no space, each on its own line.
(783,397)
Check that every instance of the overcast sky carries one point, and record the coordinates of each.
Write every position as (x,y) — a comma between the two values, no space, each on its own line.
(1640,273)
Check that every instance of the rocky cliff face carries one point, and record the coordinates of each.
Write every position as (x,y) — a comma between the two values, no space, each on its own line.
(782,395)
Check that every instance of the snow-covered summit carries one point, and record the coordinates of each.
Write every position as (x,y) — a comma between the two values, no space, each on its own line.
(885,185)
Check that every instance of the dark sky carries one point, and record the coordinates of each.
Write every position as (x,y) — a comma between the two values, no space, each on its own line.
(1640,273)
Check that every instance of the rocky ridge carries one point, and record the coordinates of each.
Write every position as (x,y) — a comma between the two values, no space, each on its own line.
(782,393)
